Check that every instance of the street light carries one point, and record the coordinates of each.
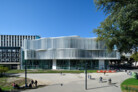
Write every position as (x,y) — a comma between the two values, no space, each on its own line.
(25,75)
(85,75)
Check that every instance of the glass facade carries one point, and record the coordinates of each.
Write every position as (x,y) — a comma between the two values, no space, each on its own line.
(63,64)
(37,64)
(77,64)
(106,63)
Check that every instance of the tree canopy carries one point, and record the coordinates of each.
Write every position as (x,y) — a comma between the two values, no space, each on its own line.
(120,28)
(135,57)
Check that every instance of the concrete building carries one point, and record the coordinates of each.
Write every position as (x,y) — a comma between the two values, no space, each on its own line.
(71,52)
(10,49)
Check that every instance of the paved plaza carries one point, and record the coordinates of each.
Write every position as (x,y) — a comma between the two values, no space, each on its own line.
(76,82)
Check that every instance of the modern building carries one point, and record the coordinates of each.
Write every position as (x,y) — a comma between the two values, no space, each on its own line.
(10,49)
(71,52)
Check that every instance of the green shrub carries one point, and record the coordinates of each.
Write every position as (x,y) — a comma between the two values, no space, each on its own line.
(3,70)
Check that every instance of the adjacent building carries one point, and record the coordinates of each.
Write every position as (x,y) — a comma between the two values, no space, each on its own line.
(10,49)
(71,52)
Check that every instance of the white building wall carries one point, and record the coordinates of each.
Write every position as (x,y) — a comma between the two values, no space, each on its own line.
(54,64)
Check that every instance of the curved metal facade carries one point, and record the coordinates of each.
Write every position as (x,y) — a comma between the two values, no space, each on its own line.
(73,47)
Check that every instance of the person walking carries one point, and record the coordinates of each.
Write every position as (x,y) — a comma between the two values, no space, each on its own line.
(109,81)
(100,80)
(35,83)
(104,72)
(32,82)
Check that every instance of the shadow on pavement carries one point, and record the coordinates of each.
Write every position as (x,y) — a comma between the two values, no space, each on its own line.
(92,79)
(61,84)
(112,84)
(104,81)
(98,87)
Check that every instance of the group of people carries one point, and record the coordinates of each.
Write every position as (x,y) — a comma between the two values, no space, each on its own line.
(15,86)
(33,83)
(101,80)
(129,73)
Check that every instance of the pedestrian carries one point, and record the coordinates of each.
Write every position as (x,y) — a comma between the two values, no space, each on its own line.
(30,85)
(109,81)
(104,72)
(90,77)
(35,83)
(17,86)
(128,72)
(100,79)
(32,82)
(13,85)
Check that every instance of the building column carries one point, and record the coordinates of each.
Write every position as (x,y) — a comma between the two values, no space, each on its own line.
(101,64)
(54,66)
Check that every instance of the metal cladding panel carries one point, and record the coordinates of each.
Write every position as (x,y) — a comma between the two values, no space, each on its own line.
(67,48)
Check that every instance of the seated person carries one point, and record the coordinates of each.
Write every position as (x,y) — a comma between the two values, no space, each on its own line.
(17,86)
(30,85)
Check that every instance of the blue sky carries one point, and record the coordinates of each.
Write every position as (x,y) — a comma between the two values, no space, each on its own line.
(49,18)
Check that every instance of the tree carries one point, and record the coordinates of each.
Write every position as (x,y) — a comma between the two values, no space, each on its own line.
(135,57)
(123,59)
(120,28)
(3,70)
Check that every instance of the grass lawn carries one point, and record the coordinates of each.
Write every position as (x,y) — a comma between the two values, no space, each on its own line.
(6,82)
(131,82)
(51,71)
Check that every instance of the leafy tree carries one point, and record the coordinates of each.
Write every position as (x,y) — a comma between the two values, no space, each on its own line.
(3,70)
(120,28)
(135,57)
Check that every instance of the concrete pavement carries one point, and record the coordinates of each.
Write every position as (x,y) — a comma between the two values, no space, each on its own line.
(76,82)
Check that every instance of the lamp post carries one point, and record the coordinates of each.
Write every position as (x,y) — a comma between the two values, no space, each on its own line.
(25,75)
(86,76)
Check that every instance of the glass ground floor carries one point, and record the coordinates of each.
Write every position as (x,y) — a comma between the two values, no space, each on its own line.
(11,66)
(64,64)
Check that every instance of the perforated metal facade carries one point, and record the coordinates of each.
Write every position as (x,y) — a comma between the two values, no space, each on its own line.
(69,52)
(67,48)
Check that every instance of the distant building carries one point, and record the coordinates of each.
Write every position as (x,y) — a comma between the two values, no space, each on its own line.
(10,49)
(71,52)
